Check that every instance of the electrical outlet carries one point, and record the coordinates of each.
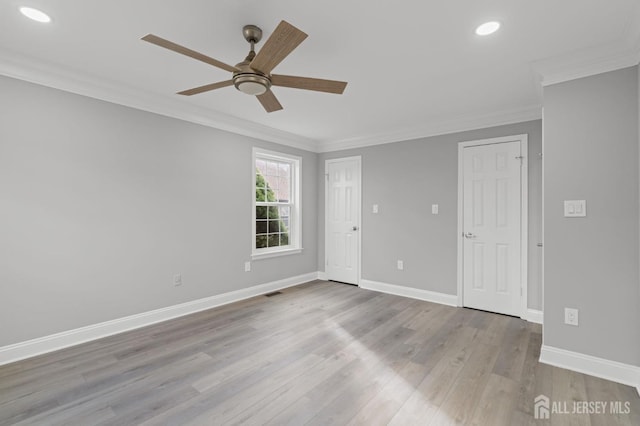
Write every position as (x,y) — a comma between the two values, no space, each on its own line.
(375,208)
(434,209)
(247,266)
(400,265)
(177,280)
(571,316)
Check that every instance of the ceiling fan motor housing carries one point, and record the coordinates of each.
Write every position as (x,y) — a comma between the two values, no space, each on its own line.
(250,81)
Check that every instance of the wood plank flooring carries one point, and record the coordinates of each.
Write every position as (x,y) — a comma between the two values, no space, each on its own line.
(319,353)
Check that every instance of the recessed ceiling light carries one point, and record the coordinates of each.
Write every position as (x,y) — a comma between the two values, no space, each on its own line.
(35,14)
(488,28)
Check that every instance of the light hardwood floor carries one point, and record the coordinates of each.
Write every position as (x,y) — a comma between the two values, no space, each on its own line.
(319,353)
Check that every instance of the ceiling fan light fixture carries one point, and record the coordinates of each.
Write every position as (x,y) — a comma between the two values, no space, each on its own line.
(35,14)
(251,88)
(488,28)
(251,84)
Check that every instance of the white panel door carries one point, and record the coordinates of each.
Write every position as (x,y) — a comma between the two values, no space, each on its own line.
(343,220)
(492,228)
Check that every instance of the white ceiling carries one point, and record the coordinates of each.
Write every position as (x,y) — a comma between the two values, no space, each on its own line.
(413,66)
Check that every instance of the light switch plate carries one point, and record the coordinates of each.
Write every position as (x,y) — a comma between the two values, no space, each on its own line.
(575,208)
(375,208)
(434,209)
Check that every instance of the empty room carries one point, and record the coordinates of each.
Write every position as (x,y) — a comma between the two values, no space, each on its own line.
(345,213)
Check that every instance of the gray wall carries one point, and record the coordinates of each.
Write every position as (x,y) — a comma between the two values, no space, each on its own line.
(591,153)
(404,179)
(101,204)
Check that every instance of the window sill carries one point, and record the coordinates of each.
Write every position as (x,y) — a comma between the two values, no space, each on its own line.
(258,256)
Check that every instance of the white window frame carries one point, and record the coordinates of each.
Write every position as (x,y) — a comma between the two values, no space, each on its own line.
(295,220)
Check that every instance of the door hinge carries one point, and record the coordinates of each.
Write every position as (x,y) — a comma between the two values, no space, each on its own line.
(326,175)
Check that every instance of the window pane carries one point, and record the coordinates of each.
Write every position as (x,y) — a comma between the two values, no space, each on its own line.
(261,227)
(284,169)
(272,168)
(274,240)
(261,241)
(271,196)
(284,189)
(274,226)
(261,165)
(260,180)
(260,194)
(261,212)
(273,213)
(274,190)
(284,239)
(284,211)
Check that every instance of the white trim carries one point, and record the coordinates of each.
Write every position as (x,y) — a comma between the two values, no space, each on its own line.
(358,159)
(295,219)
(599,367)
(524,225)
(542,229)
(20,67)
(413,293)
(524,209)
(74,337)
(585,63)
(534,315)
(622,53)
(322,275)
(269,255)
(435,128)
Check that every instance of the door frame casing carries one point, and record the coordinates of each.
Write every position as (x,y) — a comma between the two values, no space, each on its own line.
(358,159)
(524,213)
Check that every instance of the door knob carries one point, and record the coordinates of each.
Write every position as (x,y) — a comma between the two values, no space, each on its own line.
(355,228)
(469,235)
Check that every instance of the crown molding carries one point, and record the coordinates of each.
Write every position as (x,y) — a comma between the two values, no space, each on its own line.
(435,128)
(585,63)
(17,66)
(623,53)
(20,67)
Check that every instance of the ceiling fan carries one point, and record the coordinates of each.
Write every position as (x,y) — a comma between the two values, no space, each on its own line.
(253,75)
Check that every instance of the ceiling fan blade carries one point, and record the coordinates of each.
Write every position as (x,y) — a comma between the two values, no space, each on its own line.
(158,41)
(269,101)
(306,83)
(284,39)
(206,88)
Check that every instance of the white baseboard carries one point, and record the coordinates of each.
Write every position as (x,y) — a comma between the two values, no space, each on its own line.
(65,339)
(414,293)
(322,275)
(599,367)
(534,315)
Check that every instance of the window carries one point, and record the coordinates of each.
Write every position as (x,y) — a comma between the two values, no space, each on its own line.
(276,204)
